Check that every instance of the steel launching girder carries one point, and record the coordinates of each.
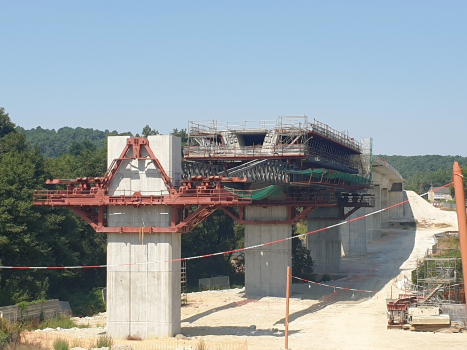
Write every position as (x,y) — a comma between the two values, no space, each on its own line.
(89,197)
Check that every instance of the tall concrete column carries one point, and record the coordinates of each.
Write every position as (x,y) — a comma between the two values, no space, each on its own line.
(373,222)
(266,267)
(395,196)
(384,204)
(325,247)
(353,234)
(143,300)
(143,297)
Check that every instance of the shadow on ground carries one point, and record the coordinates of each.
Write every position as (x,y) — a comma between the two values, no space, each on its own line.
(196,317)
(238,331)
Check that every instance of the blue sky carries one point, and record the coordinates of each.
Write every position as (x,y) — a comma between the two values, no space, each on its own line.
(395,71)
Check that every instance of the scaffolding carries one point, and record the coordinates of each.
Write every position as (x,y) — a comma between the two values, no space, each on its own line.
(366,158)
(289,136)
(438,280)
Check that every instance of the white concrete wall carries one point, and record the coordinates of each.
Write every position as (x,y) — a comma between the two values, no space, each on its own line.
(266,267)
(143,299)
(325,247)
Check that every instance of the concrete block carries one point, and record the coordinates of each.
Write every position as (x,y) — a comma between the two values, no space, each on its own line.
(423,311)
(431,320)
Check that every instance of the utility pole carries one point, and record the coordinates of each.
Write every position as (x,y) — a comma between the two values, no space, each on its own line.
(458,179)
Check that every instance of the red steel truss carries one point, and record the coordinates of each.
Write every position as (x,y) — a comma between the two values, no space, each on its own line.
(191,203)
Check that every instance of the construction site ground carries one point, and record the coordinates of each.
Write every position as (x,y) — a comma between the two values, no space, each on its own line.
(319,317)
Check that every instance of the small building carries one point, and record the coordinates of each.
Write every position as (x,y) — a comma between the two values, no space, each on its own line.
(436,194)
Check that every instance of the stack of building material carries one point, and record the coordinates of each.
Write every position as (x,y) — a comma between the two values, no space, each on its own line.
(427,319)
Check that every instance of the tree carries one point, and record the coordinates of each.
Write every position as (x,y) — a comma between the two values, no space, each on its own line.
(147,131)
(302,264)
(216,233)
(44,236)
(76,148)
(182,134)
(6,126)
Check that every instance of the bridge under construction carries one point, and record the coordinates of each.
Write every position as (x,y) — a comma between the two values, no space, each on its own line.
(267,176)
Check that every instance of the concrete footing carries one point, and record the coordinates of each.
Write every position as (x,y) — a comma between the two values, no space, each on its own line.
(266,267)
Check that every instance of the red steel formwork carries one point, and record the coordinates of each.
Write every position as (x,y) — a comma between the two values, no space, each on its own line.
(191,203)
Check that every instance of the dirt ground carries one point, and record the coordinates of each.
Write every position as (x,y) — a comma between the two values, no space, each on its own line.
(319,317)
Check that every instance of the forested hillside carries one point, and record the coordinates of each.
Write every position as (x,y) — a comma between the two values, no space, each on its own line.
(44,236)
(55,143)
(420,172)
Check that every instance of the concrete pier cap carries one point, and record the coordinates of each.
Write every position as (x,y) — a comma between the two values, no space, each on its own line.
(144,299)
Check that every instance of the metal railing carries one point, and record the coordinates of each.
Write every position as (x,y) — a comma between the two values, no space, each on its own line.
(337,136)
(245,151)
(130,197)
(214,126)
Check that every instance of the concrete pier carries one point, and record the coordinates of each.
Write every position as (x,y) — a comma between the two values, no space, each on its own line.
(266,267)
(384,204)
(395,196)
(325,247)
(373,222)
(143,299)
(353,235)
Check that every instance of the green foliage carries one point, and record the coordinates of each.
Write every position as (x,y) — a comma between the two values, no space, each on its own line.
(61,344)
(147,131)
(302,263)
(420,172)
(55,143)
(182,133)
(9,332)
(325,278)
(104,341)
(30,324)
(44,236)
(4,339)
(216,233)
(85,303)
(62,321)
(6,126)
(451,252)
